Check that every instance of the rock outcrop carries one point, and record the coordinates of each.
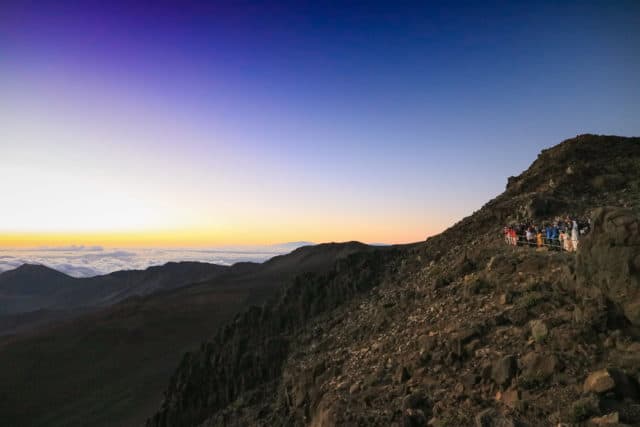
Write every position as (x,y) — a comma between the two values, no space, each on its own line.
(608,263)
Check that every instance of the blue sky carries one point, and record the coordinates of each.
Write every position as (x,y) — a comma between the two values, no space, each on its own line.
(186,123)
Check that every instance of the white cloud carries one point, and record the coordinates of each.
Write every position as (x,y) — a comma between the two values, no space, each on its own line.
(86,261)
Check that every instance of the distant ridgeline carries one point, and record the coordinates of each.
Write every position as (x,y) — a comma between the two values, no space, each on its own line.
(108,365)
(32,287)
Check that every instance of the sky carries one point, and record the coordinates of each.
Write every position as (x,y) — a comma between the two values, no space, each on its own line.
(198,124)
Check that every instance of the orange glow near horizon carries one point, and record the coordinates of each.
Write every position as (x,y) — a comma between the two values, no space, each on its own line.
(202,238)
(371,228)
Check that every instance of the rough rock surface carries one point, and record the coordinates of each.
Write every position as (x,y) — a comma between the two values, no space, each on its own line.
(608,263)
(459,330)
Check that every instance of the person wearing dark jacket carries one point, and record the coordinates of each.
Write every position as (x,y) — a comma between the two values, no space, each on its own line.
(555,232)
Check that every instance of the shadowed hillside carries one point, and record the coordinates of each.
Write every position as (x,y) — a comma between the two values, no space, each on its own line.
(458,330)
(109,367)
(32,287)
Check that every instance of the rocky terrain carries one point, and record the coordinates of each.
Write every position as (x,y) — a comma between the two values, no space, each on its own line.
(109,366)
(454,331)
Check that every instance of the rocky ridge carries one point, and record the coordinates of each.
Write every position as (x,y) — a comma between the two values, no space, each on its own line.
(458,330)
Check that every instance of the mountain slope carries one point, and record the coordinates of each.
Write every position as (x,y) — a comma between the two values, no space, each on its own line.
(36,287)
(110,367)
(458,330)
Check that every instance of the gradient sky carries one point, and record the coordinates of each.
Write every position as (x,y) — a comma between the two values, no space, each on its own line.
(204,123)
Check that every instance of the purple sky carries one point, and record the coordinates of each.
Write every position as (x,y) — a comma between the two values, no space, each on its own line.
(183,123)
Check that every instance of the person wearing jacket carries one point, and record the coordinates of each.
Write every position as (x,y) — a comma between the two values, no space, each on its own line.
(575,235)
(554,236)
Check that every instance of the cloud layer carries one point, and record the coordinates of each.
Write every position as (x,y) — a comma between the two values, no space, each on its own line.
(86,261)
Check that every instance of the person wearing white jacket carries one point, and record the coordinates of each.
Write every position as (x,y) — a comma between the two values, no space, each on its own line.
(574,236)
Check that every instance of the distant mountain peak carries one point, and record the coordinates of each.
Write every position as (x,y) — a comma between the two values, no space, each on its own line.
(293,245)
(30,268)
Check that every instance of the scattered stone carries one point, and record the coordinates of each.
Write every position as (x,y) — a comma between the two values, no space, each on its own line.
(612,418)
(503,369)
(536,365)
(609,342)
(599,382)
(612,380)
(344,385)
(511,398)
(354,388)
(539,330)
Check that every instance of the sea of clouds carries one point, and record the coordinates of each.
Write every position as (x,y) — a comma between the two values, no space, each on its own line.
(86,261)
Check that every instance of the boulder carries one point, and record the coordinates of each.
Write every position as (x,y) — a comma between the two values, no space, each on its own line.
(612,380)
(607,257)
(609,419)
(539,330)
(503,370)
(511,398)
(599,382)
(632,312)
(505,298)
(538,366)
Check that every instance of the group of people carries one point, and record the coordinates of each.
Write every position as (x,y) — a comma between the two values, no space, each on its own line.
(562,234)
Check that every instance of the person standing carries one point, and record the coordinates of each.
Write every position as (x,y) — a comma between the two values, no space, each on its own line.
(529,236)
(574,236)
(539,238)
(554,236)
